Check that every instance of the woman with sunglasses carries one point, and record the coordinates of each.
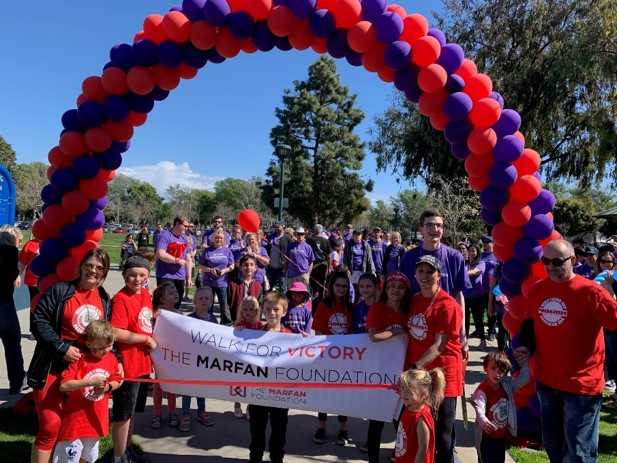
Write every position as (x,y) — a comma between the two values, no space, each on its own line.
(59,323)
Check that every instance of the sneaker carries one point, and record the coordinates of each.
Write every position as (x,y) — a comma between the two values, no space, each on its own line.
(205,419)
(482,345)
(186,299)
(156,422)
(491,337)
(173,420)
(364,448)
(610,386)
(475,334)
(238,412)
(133,456)
(320,436)
(24,386)
(342,438)
(185,424)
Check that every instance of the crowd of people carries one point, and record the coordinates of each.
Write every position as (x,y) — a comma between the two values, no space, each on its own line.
(369,282)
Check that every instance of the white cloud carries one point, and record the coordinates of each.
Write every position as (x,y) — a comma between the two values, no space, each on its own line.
(166,173)
(375,196)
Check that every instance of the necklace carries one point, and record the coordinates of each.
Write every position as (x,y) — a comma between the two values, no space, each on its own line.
(432,301)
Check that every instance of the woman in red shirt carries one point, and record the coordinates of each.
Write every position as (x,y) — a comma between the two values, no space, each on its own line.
(434,323)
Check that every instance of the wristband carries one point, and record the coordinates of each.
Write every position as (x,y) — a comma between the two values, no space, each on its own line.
(111,388)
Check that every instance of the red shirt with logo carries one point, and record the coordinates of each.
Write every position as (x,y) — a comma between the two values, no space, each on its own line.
(133,312)
(26,256)
(407,436)
(568,320)
(79,311)
(496,412)
(332,320)
(425,322)
(382,317)
(86,415)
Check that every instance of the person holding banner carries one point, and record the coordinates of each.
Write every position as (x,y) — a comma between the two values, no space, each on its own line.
(334,315)
(434,325)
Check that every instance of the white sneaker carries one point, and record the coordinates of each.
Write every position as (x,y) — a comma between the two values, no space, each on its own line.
(610,386)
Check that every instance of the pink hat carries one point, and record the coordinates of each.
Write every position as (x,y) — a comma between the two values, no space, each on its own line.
(397,276)
(298,287)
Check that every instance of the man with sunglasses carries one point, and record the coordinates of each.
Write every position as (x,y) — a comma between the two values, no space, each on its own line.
(588,266)
(218,223)
(564,323)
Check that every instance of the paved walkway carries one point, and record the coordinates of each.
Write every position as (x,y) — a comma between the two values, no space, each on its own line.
(227,441)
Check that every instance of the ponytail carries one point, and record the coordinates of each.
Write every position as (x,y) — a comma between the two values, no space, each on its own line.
(438,384)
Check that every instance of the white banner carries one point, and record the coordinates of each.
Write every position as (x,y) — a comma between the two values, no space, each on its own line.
(193,350)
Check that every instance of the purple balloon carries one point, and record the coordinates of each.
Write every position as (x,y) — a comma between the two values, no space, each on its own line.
(414,94)
(214,56)
(398,55)
(457,106)
(158,94)
(451,57)
(354,58)
(509,289)
(70,121)
(109,160)
(322,23)
(50,195)
(100,204)
(73,235)
(537,175)
(176,8)
(539,227)
(543,204)
(282,43)
(527,251)
(371,9)
(491,218)
(121,146)
(263,39)
(192,9)
(53,249)
(170,54)
(241,25)
(457,131)
(142,104)
(389,27)
(121,56)
(42,265)
(502,175)
(460,151)
(194,57)
(407,78)
(508,149)
(337,44)
(116,108)
(64,180)
(302,9)
(91,113)
(497,97)
(515,271)
(455,84)
(439,35)
(494,199)
(509,122)
(144,53)
(216,12)
(85,167)
(92,219)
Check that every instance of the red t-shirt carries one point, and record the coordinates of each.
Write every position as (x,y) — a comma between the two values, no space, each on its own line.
(133,312)
(382,317)
(406,447)
(79,311)
(85,415)
(26,256)
(496,408)
(568,319)
(424,323)
(332,320)
(252,326)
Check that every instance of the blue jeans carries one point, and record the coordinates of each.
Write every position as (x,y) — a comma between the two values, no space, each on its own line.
(570,425)
(186,404)
(227,318)
(10,334)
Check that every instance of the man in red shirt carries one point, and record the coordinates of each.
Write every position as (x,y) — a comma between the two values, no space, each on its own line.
(566,314)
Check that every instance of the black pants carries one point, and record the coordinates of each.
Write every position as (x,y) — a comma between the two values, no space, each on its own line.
(501,332)
(179,284)
(492,450)
(318,279)
(278,433)
(444,431)
(324,417)
(492,320)
(476,307)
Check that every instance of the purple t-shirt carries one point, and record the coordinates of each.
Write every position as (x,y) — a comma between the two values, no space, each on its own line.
(454,277)
(298,319)
(210,317)
(300,256)
(208,234)
(393,259)
(216,258)
(357,250)
(237,249)
(490,264)
(360,313)
(176,246)
(378,249)
(477,288)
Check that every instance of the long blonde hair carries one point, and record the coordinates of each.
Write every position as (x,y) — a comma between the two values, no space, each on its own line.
(248,300)
(433,382)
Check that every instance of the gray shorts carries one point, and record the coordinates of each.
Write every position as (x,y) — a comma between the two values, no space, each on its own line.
(130,398)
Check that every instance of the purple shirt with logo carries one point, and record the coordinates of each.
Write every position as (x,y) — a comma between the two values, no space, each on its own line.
(357,250)
(176,246)
(490,263)
(216,258)
(300,256)
(378,249)
(237,249)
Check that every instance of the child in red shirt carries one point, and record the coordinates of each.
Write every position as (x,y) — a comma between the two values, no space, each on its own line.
(420,390)
(86,410)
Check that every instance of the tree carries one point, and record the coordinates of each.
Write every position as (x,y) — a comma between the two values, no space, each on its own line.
(573,217)
(317,120)
(131,200)
(29,181)
(7,156)
(239,194)
(553,62)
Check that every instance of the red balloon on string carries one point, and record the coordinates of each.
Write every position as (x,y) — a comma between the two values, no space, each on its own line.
(249,220)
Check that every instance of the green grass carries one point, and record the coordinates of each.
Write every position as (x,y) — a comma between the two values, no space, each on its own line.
(607,449)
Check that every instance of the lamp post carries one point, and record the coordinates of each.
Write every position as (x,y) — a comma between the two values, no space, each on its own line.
(282,151)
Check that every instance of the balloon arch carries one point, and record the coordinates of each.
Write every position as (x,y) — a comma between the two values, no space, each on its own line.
(382,38)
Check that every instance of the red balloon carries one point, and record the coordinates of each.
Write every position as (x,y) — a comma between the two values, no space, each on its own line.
(80,251)
(478,165)
(478,86)
(510,323)
(485,112)
(35,300)
(301,37)
(503,253)
(94,188)
(374,59)
(538,269)
(114,81)
(75,202)
(97,139)
(92,87)
(281,21)
(226,44)
(516,213)
(259,9)
(236,5)
(520,136)
(477,183)
(50,171)
(141,35)
(439,121)
(140,80)
(203,35)
(43,232)
(430,104)
(528,283)
(247,46)
(58,159)
(482,141)
(347,13)
(186,72)
(361,36)
(467,69)
(386,74)
(415,26)
(45,283)
(55,217)
(432,78)
(526,188)
(249,220)
(176,26)
(153,29)
(528,163)
(425,51)
(73,144)
(398,9)
(166,78)
(137,119)
(554,236)
(94,235)
(67,269)
(119,130)
(320,45)
(106,175)
(505,235)
(326,4)
(517,306)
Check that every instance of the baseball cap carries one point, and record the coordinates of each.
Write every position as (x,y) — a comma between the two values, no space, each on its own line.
(279,223)
(377,229)
(487,239)
(431,260)
(591,250)
(300,230)
(357,232)
(349,225)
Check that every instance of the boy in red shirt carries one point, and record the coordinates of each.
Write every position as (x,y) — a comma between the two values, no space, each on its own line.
(86,410)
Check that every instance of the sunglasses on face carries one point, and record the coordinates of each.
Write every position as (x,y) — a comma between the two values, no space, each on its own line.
(604,261)
(557,261)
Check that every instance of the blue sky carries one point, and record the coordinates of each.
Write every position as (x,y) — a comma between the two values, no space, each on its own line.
(211,127)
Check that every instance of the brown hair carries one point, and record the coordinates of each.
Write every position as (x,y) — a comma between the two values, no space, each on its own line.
(101,255)
(275,298)
(500,358)
(100,330)
(428,214)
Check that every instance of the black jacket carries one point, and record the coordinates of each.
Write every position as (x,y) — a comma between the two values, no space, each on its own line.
(46,326)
